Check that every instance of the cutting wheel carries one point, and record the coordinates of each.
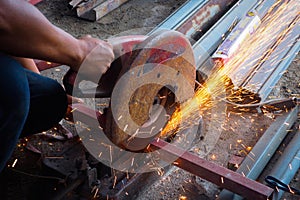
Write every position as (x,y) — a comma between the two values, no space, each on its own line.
(160,74)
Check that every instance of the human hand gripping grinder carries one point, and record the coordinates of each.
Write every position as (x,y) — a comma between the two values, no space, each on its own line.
(148,77)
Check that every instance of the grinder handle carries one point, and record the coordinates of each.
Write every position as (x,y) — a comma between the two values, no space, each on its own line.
(121,45)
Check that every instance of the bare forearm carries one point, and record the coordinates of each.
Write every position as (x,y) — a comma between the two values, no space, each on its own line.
(25,32)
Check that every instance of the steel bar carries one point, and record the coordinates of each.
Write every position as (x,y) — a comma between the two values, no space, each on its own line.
(85,114)
(86,6)
(194,164)
(209,42)
(284,53)
(204,18)
(182,14)
(102,9)
(194,18)
(261,76)
(288,155)
(288,164)
(214,173)
(75,3)
(282,48)
(262,152)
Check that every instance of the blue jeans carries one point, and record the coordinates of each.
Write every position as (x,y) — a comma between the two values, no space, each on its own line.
(29,103)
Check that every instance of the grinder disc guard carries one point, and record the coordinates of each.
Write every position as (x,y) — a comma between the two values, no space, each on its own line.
(160,72)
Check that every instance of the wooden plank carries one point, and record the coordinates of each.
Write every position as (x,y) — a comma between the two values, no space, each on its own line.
(102,9)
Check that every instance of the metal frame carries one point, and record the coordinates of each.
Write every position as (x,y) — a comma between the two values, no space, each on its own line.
(192,163)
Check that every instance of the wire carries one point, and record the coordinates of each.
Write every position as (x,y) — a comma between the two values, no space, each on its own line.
(37,176)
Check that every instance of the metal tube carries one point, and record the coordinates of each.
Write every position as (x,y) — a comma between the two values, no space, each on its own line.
(246,27)
(181,15)
(257,159)
(288,175)
(209,42)
(204,18)
(286,158)
(274,57)
(285,56)
(194,18)
(288,164)
(241,32)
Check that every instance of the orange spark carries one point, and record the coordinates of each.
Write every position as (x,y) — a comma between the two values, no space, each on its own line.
(255,50)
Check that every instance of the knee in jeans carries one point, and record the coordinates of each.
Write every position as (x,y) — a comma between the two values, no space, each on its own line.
(47,107)
(58,98)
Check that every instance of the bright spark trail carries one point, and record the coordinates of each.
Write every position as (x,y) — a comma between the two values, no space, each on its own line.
(274,26)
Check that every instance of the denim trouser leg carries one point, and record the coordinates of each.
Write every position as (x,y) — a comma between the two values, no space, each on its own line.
(29,103)
(48,103)
(14,105)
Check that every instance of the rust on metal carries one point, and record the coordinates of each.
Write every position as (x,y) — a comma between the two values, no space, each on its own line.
(85,114)
(43,65)
(190,162)
(102,9)
(212,172)
(205,17)
(85,6)
(234,162)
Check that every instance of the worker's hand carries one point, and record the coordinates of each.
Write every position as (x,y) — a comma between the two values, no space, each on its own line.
(97,57)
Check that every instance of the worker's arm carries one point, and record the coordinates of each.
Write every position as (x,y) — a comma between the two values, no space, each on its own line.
(25,32)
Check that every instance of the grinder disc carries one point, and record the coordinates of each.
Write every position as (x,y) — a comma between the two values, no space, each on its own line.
(160,73)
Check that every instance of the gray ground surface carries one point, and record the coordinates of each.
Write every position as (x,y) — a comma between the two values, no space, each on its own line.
(140,16)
